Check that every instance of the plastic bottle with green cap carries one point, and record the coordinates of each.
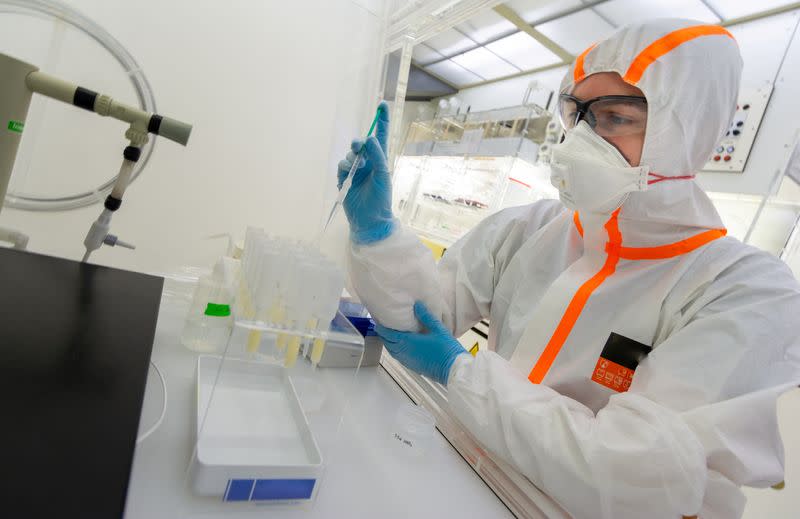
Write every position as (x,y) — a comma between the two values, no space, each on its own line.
(209,323)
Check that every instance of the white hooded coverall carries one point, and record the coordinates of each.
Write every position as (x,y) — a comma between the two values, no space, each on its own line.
(723,318)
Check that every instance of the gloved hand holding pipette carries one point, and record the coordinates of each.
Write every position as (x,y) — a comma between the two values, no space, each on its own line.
(373,231)
(368,203)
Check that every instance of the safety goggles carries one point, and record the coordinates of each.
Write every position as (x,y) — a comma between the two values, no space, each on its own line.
(608,116)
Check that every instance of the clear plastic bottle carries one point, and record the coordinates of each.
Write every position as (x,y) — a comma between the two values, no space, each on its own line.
(209,323)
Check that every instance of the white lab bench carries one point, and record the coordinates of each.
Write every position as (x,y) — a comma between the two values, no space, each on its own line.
(365,477)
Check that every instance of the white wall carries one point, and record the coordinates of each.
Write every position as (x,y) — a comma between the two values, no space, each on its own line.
(762,44)
(275,90)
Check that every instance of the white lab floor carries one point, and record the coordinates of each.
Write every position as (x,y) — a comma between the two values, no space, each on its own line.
(782,504)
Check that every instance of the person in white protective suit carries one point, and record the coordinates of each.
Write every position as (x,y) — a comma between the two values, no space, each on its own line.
(638,352)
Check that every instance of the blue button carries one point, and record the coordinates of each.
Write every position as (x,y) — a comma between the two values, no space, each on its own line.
(730,149)
(280,489)
(239,490)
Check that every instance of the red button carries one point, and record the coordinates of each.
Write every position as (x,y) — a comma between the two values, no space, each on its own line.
(727,158)
(716,157)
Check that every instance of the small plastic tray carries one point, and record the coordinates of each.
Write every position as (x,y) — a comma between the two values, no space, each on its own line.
(254,443)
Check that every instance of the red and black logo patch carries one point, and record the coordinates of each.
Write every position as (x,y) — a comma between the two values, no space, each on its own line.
(618,362)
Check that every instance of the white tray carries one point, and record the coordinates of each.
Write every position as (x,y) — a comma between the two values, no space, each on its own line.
(254,443)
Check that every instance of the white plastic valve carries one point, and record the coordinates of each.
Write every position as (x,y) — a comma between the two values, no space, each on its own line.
(97,232)
(18,239)
(112,241)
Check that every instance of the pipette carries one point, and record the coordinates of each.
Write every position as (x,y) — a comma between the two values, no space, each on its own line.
(348,180)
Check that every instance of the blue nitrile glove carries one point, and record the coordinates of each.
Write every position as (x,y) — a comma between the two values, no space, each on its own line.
(431,354)
(368,204)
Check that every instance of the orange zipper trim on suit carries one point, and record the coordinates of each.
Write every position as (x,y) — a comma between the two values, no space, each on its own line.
(667,251)
(653,51)
(578,74)
(577,220)
(614,251)
(575,306)
(671,250)
(665,44)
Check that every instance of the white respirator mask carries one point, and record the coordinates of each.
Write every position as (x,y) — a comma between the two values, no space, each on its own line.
(591,174)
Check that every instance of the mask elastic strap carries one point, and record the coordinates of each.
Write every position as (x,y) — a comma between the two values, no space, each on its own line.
(662,178)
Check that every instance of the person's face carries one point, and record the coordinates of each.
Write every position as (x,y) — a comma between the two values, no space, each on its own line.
(608,84)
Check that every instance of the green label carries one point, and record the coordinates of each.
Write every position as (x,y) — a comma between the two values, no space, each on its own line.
(16,126)
(215,310)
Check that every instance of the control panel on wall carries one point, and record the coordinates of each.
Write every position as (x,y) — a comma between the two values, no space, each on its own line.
(730,154)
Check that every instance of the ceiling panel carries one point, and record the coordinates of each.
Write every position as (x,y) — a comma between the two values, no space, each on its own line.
(486,25)
(455,74)
(576,31)
(623,12)
(736,8)
(423,54)
(534,10)
(450,42)
(485,64)
(523,51)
